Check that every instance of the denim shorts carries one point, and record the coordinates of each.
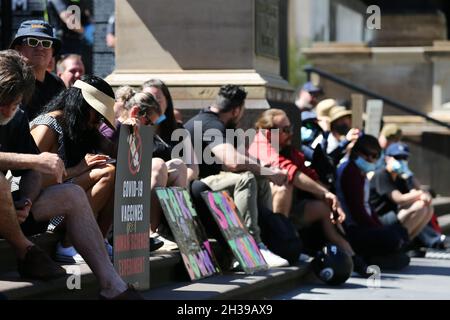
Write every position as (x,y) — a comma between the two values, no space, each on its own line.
(389,218)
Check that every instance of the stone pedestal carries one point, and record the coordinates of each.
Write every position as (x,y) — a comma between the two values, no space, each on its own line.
(197,46)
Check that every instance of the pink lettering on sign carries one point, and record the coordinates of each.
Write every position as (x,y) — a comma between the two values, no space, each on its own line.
(221,217)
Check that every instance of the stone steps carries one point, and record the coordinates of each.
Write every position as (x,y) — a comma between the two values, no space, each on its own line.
(168,280)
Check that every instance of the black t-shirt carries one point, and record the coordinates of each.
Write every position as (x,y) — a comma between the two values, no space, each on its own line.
(213,132)
(43,93)
(381,186)
(15,137)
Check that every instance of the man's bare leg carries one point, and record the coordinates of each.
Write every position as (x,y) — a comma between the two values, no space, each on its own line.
(70,201)
(414,217)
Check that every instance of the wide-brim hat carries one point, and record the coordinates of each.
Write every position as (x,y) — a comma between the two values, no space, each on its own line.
(339,112)
(98,100)
(324,107)
(39,29)
(391,130)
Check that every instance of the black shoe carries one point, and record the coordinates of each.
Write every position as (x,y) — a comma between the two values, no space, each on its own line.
(394,261)
(130,294)
(360,266)
(155,244)
(38,265)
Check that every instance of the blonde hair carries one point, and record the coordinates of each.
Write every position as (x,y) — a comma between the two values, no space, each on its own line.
(265,120)
(145,102)
(124,93)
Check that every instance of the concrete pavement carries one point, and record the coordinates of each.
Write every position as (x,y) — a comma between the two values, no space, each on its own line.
(424,279)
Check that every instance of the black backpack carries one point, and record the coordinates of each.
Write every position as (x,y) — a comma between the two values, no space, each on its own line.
(279,235)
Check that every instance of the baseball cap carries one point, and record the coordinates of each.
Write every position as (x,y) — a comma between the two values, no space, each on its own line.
(398,150)
(311,88)
(39,29)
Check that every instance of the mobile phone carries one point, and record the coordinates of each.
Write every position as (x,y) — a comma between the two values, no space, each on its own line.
(111,161)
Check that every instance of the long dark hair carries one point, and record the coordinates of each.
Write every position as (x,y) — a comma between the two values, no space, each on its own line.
(169,125)
(79,139)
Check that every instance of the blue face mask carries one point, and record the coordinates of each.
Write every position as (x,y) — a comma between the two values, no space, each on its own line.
(161,119)
(380,163)
(307,134)
(364,165)
(402,169)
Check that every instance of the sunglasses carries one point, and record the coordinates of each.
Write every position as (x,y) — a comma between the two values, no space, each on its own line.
(34,42)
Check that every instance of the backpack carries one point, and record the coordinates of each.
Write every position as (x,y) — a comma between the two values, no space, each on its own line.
(280,235)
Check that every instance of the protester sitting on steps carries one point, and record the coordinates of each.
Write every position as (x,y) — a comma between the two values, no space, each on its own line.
(378,244)
(431,236)
(34,205)
(320,206)
(166,128)
(36,41)
(231,170)
(394,198)
(69,127)
(143,109)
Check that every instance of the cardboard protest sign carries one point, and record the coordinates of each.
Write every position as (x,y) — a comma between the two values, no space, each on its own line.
(188,231)
(242,244)
(374,116)
(132,205)
(357,111)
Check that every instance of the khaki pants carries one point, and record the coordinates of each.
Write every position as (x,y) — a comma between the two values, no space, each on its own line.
(247,192)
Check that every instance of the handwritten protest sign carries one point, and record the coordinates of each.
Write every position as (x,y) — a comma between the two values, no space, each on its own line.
(189,233)
(242,244)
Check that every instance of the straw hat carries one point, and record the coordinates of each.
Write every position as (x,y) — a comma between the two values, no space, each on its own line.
(391,130)
(338,112)
(323,107)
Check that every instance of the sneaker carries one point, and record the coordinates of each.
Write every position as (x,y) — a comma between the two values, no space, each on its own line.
(439,254)
(68,255)
(304,257)
(38,265)
(109,249)
(273,261)
(155,244)
(360,266)
(168,245)
(130,294)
